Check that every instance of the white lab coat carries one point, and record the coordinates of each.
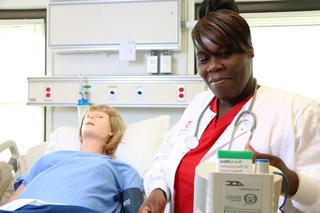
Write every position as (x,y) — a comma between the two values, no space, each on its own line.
(288,126)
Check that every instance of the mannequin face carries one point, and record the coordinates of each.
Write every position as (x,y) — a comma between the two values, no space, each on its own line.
(96,126)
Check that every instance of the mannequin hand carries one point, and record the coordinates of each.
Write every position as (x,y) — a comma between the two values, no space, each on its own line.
(154,203)
(275,161)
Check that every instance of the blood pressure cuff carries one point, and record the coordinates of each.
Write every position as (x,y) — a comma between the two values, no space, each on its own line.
(131,199)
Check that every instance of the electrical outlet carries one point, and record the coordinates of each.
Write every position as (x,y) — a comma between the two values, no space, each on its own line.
(181,92)
(48,92)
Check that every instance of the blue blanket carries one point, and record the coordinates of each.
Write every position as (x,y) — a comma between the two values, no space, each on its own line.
(90,180)
(52,209)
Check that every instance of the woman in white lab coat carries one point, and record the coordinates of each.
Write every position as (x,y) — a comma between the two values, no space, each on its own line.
(282,127)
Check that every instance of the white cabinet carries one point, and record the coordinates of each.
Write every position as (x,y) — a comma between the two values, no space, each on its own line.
(103,24)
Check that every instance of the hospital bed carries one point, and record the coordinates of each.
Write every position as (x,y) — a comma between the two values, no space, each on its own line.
(139,144)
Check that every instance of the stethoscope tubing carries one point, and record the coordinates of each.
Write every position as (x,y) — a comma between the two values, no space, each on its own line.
(237,121)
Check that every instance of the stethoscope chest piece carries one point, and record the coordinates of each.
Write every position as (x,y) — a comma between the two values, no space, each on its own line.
(192,142)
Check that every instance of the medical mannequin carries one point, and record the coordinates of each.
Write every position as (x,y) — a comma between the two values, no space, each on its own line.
(89,178)
(285,127)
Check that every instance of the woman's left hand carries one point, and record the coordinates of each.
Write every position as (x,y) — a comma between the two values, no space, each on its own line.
(275,161)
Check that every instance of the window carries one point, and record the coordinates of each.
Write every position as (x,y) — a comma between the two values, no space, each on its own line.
(22,54)
(286,50)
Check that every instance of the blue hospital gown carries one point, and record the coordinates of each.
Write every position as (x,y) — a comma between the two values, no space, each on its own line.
(82,179)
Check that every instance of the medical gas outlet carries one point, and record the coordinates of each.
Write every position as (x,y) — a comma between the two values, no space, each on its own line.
(140,93)
(112,92)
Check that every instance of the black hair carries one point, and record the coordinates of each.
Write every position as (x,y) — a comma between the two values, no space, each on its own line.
(221,24)
(208,6)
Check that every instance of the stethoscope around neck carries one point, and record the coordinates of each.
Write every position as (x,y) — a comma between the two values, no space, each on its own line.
(246,115)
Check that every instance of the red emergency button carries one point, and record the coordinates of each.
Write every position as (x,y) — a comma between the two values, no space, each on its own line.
(181,89)
(48,89)
(181,95)
(48,95)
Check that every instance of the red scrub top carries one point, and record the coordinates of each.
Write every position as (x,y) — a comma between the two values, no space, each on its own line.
(184,178)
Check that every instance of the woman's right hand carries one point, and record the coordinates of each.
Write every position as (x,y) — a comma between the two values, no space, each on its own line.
(154,203)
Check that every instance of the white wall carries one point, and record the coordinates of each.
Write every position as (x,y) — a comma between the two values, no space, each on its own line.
(285,58)
(102,64)
(108,63)
(68,116)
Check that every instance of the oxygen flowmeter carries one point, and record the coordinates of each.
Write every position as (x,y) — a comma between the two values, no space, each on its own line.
(235,185)
(84,100)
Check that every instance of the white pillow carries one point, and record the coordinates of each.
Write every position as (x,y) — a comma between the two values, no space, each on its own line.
(63,138)
(140,142)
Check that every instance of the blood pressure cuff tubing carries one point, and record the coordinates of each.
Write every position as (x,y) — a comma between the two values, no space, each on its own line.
(131,199)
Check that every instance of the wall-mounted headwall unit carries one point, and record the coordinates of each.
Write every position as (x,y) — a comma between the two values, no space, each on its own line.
(103,24)
(118,91)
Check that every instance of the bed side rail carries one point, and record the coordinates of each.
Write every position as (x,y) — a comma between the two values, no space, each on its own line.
(15,155)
